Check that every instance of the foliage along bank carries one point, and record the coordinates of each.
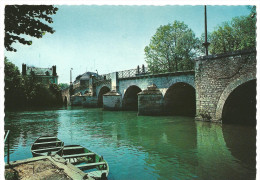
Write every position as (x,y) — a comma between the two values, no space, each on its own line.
(25,91)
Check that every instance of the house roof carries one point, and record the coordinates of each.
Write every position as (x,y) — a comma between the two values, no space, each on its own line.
(85,76)
(39,71)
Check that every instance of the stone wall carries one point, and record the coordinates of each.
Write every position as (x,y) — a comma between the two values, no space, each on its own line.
(162,81)
(216,76)
(77,100)
(90,101)
(150,101)
(65,93)
(112,101)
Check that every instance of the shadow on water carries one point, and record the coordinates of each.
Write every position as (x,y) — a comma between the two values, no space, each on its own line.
(241,141)
(224,148)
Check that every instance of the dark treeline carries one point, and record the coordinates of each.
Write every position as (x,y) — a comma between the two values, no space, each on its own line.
(25,91)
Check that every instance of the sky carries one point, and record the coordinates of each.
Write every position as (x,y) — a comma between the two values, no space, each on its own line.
(110,38)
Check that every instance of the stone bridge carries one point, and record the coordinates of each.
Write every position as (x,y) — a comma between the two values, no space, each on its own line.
(220,87)
(226,87)
(66,96)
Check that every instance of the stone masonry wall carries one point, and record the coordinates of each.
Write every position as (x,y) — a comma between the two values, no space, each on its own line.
(77,100)
(150,101)
(65,94)
(90,102)
(216,77)
(162,81)
(112,101)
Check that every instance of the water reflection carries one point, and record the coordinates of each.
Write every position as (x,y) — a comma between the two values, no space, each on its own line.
(141,147)
(241,141)
(217,158)
(25,127)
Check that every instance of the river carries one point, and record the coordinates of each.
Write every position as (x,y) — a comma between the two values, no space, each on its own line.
(142,147)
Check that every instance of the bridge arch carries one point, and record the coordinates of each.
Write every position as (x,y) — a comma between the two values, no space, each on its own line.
(240,94)
(65,100)
(130,98)
(179,99)
(101,92)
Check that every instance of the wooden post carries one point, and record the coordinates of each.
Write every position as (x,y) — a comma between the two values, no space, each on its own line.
(8,148)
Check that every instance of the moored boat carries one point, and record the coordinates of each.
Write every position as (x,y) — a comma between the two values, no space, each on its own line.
(87,161)
(47,145)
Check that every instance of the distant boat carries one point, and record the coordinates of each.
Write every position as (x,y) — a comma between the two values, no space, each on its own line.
(87,161)
(47,145)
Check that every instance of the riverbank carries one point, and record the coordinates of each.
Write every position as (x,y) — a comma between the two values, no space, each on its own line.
(43,167)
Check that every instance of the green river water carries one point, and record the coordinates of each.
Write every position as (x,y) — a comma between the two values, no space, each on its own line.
(142,147)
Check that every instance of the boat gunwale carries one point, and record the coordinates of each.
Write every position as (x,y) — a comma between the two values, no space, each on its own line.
(107,170)
(35,154)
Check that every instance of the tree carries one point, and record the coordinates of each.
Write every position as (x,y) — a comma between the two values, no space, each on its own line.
(238,34)
(22,20)
(63,85)
(22,91)
(14,95)
(171,48)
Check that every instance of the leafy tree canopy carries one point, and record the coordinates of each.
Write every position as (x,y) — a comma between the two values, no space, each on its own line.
(63,85)
(171,48)
(238,34)
(22,91)
(22,20)
(13,78)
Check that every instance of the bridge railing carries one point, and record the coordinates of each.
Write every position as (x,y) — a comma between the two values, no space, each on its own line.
(106,76)
(133,72)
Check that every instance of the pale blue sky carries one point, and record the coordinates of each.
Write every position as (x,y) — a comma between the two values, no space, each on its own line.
(110,38)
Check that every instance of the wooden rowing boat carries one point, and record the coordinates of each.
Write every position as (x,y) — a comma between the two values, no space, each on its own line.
(47,145)
(87,161)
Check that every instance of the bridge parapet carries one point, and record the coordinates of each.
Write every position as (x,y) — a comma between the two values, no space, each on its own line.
(131,73)
(106,76)
(214,76)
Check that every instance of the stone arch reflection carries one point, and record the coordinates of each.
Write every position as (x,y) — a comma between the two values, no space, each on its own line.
(241,142)
(225,148)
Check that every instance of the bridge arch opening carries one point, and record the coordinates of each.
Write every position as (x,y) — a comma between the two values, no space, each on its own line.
(102,91)
(65,101)
(180,99)
(240,106)
(130,100)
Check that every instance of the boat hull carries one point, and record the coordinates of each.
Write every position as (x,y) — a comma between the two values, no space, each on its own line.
(89,162)
(47,145)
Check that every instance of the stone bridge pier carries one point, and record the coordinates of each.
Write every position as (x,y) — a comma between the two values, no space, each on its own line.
(65,93)
(226,87)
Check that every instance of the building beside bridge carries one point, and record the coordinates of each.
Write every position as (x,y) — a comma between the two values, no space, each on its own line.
(42,75)
(220,87)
